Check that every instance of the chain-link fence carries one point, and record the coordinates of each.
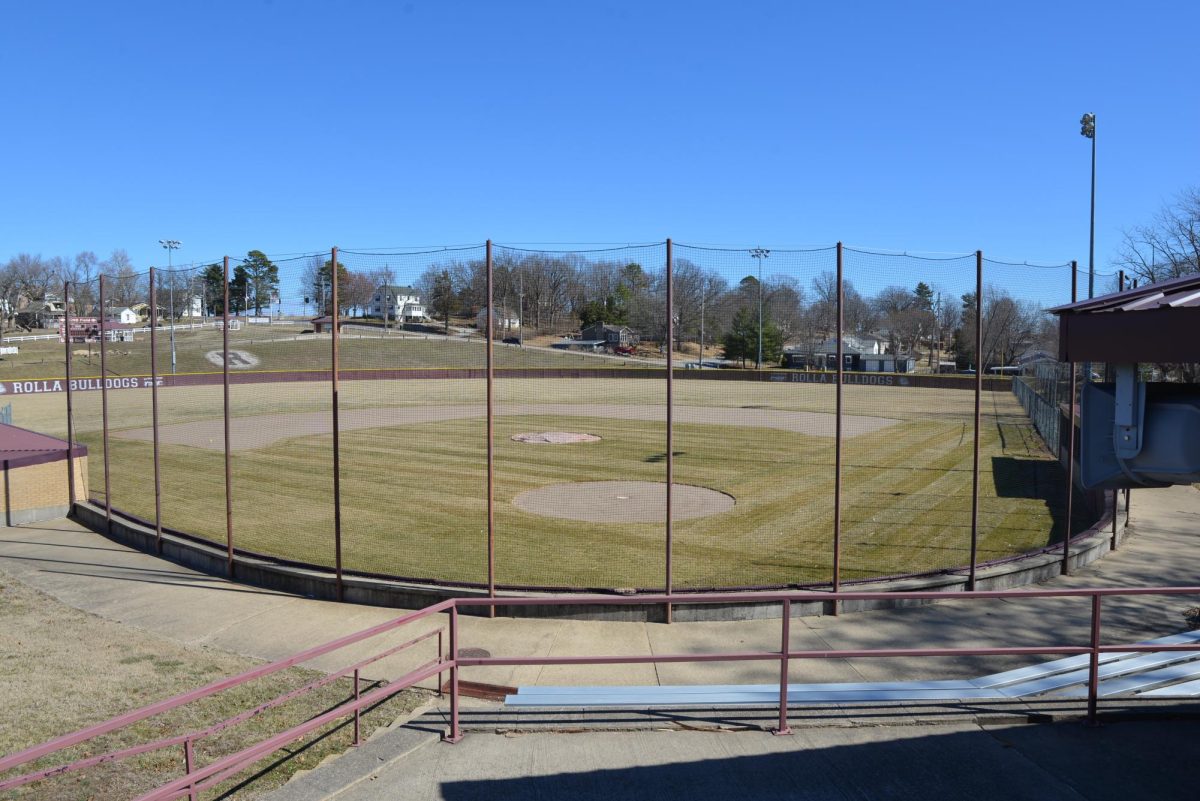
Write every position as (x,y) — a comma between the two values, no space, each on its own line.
(350,412)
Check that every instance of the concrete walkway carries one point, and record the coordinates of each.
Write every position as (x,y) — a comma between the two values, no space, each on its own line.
(1129,760)
(97,575)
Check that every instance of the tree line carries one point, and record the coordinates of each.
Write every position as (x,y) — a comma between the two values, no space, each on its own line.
(559,294)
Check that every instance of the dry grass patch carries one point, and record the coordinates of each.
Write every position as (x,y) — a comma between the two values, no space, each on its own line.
(62,670)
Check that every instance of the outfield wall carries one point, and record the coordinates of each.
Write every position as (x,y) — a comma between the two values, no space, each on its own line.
(39,386)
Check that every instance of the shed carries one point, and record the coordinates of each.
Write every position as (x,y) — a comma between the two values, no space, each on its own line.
(325,323)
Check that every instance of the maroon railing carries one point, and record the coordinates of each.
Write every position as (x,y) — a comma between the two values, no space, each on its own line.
(197,778)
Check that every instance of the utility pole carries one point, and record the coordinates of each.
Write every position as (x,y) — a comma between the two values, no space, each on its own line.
(521,309)
(700,362)
(760,254)
(171,245)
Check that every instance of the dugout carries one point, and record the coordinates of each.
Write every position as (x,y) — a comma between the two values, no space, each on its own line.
(34,483)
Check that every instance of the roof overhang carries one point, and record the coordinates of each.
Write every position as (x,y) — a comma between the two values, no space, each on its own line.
(1153,323)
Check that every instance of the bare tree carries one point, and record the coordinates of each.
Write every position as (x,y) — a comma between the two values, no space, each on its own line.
(383,280)
(1167,248)
(10,290)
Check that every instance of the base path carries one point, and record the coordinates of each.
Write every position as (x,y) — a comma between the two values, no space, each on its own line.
(260,431)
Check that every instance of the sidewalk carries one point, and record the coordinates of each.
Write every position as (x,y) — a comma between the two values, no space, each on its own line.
(984,757)
(92,573)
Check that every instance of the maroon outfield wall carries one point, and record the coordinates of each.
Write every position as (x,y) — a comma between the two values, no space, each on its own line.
(963,382)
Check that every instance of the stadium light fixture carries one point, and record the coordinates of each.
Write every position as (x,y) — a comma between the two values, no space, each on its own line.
(1087,128)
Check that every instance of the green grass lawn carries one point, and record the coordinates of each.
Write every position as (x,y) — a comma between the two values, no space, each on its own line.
(280,348)
(414,495)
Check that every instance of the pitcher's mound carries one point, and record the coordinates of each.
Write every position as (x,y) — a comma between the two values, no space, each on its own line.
(622,501)
(554,437)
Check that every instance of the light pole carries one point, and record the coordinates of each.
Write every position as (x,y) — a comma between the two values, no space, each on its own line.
(760,254)
(171,245)
(1087,127)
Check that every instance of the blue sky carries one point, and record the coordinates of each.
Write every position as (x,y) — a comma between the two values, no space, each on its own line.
(294,126)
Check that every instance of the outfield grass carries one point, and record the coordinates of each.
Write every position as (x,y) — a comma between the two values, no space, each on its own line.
(281,347)
(414,495)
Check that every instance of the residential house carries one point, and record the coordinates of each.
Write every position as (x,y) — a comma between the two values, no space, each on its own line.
(611,336)
(503,321)
(860,353)
(45,313)
(399,303)
(125,316)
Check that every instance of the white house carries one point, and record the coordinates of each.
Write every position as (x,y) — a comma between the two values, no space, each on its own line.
(126,316)
(400,303)
(192,307)
(503,320)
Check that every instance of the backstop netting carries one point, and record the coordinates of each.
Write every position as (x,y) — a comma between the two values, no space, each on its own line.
(587,434)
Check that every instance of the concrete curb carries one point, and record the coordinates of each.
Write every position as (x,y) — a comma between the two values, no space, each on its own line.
(314,582)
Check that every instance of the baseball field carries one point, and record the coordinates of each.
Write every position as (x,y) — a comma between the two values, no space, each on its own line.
(753,466)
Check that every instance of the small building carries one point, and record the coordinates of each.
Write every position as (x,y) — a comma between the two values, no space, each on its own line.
(192,307)
(116,331)
(503,321)
(887,363)
(612,336)
(322,324)
(399,303)
(125,316)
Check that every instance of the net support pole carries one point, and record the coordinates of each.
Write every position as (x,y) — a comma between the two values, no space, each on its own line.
(489,332)
(337,460)
(837,439)
(104,410)
(1072,388)
(978,406)
(670,421)
(158,546)
(71,491)
(1116,494)
(225,412)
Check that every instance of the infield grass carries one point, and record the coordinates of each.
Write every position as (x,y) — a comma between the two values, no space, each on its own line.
(414,502)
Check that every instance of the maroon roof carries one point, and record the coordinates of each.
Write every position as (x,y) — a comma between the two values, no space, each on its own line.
(20,447)
(1175,293)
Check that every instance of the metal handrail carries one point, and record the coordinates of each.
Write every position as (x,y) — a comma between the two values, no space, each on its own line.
(199,778)
(128,718)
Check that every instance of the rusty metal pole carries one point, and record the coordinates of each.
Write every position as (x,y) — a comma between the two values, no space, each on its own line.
(188,759)
(455,733)
(71,496)
(357,712)
(670,419)
(104,412)
(1094,662)
(1066,560)
(225,385)
(154,410)
(837,437)
(1116,494)
(489,332)
(978,404)
(337,461)
(785,639)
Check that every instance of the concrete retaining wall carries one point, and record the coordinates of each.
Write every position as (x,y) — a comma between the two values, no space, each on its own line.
(1086,548)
